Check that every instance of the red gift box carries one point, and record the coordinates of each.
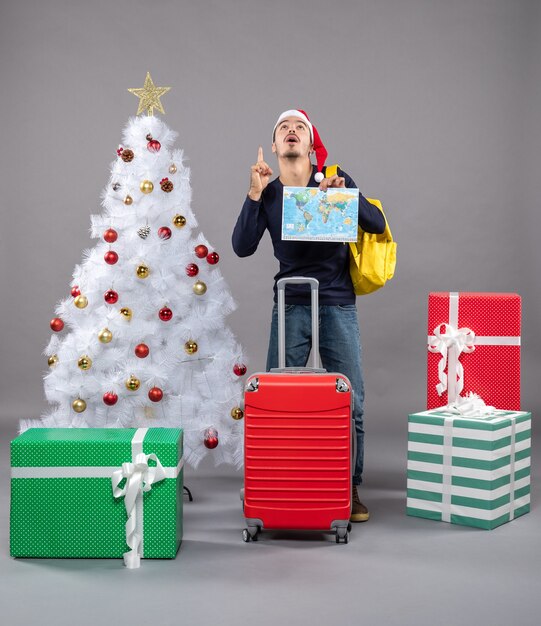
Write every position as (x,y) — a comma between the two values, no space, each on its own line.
(474,346)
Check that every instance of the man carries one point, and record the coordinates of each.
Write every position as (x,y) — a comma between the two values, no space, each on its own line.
(294,139)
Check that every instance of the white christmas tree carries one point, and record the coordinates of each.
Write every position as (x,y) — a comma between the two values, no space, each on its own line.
(142,340)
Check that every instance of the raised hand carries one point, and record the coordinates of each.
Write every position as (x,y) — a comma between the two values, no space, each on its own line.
(260,174)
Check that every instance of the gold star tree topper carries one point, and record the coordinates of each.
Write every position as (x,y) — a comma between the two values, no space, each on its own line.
(149,96)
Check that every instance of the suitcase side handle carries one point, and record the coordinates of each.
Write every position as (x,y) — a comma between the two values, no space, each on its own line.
(281,289)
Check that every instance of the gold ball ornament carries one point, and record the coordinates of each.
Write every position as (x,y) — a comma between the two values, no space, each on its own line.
(133,383)
(84,362)
(78,405)
(179,221)
(126,313)
(237,413)
(146,186)
(81,302)
(190,346)
(172,168)
(199,288)
(142,271)
(105,335)
(52,360)
(128,200)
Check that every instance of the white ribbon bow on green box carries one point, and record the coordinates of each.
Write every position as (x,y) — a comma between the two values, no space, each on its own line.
(139,478)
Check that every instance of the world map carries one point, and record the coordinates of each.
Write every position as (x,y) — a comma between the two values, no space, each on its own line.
(309,214)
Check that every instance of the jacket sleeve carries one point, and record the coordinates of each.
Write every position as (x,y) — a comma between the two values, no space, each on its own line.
(371,219)
(249,229)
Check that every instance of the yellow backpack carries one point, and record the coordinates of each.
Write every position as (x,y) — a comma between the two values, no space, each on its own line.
(372,258)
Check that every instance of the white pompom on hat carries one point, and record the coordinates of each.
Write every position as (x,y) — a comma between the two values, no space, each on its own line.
(319,148)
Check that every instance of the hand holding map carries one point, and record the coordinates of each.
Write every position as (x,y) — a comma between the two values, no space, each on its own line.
(333,181)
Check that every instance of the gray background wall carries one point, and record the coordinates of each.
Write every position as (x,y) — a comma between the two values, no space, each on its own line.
(430,105)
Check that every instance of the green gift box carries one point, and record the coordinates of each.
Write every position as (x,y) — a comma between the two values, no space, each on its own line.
(93,492)
(473,471)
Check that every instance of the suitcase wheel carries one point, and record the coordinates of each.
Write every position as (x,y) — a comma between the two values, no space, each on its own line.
(342,535)
(250,534)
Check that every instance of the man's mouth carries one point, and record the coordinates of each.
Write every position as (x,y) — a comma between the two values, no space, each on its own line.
(292,139)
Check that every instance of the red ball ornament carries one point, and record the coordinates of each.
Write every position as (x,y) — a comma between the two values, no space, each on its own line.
(110,296)
(165,314)
(154,145)
(201,251)
(110,398)
(213,258)
(57,324)
(239,369)
(192,269)
(75,291)
(142,350)
(155,394)
(210,438)
(110,235)
(110,257)
(164,232)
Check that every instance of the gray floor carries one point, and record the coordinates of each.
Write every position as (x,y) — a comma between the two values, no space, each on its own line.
(395,570)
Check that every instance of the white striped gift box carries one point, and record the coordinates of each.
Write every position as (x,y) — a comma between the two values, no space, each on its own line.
(473,471)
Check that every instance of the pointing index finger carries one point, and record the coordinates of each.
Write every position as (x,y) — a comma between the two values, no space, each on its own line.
(260,154)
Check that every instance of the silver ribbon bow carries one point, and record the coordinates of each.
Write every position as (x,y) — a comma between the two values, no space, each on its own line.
(139,478)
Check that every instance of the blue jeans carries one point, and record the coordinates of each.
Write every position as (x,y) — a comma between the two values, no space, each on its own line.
(339,348)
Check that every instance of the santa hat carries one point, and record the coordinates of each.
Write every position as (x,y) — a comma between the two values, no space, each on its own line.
(319,148)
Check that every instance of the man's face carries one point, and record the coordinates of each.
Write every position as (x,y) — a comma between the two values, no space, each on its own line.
(292,139)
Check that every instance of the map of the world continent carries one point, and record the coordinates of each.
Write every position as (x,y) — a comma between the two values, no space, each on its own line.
(309,214)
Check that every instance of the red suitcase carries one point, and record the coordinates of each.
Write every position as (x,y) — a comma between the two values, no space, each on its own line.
(297,442)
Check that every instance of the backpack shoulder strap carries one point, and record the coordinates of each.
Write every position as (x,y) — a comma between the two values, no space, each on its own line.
(331,170)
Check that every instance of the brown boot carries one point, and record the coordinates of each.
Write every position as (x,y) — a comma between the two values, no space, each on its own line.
(359,513)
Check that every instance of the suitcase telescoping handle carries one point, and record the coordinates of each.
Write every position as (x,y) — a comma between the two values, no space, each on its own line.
(281,287)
